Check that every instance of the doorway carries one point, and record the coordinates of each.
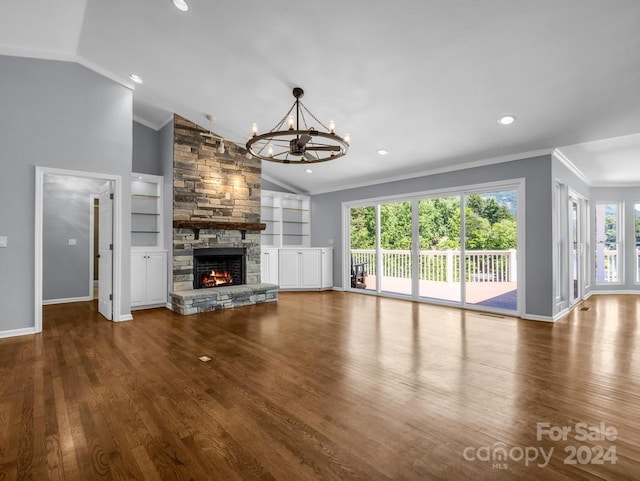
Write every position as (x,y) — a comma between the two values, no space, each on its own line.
(94,229)
(75,240)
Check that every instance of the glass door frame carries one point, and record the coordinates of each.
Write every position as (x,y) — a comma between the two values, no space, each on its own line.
(463,191)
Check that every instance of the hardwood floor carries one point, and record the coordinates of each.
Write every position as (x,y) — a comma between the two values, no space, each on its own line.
(320,386)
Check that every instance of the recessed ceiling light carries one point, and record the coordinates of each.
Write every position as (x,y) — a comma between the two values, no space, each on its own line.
(382,152)
(309,171)
(181,5)
(507,119)
(135,78)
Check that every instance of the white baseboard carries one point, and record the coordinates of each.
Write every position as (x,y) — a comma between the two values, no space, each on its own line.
(563,313)
(124,317)
(169,306)
(534,317)
(49,302)
(17,332)
(595,292)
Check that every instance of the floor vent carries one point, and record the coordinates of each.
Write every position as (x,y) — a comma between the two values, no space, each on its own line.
(586,308)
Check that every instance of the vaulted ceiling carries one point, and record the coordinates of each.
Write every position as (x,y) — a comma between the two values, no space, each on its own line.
(425,80)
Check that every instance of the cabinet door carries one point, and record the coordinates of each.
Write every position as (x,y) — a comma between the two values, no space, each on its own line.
(138,278)
(156,277)
(289,271)
(269,266)
(327,267)
(310,268)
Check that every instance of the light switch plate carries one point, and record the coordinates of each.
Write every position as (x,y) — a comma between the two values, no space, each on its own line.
(3,241)
(73,242)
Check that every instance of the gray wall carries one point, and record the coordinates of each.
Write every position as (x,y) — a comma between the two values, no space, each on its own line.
(630,196)
(146,150)
(67,208)
(165,143)
(327,214)
(54,114)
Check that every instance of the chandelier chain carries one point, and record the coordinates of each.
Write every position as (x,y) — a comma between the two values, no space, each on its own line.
(314,117)
(281,123)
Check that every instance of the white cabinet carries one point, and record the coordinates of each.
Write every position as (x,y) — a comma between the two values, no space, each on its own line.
(146,210)
(269,266)
(148,278)
(327,268)
(287,217)
(306,268)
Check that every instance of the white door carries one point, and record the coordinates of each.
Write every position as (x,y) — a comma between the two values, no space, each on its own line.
(105,249)
(311,265)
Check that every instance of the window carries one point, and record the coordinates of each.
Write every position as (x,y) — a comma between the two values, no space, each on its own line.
(608,243)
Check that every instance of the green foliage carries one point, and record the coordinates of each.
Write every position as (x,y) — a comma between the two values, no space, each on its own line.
(395,221)
(490,225)
(363,228)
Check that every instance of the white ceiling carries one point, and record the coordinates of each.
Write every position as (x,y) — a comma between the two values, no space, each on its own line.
(425,80)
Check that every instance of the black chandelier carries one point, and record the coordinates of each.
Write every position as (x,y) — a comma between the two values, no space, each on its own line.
(298,143)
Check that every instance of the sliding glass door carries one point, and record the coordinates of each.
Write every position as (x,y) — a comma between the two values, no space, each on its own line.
(414,247)
(637,239)
(490,261)
(363,242)
(439,254)
(395,248)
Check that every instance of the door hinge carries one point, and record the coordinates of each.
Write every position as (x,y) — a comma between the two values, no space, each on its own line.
(111,297)
(110,247)
(111,196)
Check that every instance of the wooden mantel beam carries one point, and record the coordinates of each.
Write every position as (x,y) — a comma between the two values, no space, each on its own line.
(208,224)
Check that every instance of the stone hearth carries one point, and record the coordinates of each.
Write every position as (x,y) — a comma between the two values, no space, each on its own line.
(205,300)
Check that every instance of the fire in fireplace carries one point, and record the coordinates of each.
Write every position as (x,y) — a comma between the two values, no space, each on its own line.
(215,279)
(215,267)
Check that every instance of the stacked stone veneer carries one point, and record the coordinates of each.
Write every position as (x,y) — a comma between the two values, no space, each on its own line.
(208,186)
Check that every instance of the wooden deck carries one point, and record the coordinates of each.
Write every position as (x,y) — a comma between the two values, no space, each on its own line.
(320,386)
(491,294)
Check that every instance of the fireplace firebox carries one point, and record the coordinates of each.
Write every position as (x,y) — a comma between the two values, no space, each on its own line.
(218,266)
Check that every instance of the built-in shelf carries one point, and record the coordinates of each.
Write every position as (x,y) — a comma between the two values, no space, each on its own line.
(146,210)
(287,217)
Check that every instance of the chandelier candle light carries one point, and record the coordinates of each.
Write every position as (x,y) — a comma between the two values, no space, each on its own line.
(298,143)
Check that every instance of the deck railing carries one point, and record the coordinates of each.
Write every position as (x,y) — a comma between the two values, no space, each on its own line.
(443,266)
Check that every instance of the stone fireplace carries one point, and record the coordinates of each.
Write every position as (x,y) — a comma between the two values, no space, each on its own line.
(216,206)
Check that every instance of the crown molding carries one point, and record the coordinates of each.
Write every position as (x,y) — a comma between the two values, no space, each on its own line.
(146,123)
(39,53)
(571,166)
(104,72)
(439,170)
(294,190)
